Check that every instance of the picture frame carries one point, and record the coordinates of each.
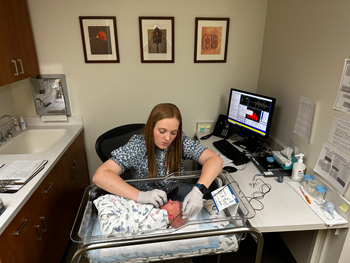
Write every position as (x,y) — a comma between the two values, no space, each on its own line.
(157,39)
(100,40)
(211,39)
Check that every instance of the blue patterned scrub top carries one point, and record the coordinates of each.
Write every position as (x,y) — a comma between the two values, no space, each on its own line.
(133,156)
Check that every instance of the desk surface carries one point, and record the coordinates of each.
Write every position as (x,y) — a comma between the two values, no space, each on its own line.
(284,209)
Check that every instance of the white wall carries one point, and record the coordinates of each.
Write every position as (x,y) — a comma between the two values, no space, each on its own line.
(305,45)
(109,95)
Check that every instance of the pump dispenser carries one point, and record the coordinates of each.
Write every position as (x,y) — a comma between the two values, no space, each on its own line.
(298,169)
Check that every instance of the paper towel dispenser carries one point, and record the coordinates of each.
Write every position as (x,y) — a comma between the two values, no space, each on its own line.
(50,94)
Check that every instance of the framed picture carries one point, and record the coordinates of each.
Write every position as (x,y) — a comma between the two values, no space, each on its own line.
(210,41)
(100,42)
(156,39)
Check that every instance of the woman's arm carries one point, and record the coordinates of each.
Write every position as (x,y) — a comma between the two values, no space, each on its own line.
(212,166)
(108,178)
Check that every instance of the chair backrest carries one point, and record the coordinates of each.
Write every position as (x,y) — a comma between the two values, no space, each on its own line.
(115,138)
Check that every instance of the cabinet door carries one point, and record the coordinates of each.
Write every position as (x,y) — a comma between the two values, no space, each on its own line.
(7,67)
(50,211)
(21,37)
(21,241)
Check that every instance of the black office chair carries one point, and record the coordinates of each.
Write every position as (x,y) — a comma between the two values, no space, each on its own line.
(115,138)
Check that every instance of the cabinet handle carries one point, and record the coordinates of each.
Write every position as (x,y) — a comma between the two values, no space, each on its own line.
(75,168)
(48,188)
(44,223)
(74,171)
(39,232)
(20,61)
(19,231)
(14,61)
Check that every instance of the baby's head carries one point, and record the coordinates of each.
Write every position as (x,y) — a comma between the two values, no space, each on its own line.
(174,209)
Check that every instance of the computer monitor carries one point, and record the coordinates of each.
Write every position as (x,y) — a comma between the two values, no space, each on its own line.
(253,113)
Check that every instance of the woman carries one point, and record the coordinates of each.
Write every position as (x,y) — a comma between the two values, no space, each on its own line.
(160,151)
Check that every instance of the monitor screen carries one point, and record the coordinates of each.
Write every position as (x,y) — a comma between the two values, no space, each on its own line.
(250,111)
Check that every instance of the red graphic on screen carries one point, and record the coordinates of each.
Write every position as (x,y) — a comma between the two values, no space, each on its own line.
(255,116)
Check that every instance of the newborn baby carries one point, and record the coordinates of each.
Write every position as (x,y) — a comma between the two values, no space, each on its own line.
(120,215)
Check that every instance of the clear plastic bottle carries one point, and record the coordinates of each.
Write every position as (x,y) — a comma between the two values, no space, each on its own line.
(298,169)
(23,124)
(15,123)
(306,179)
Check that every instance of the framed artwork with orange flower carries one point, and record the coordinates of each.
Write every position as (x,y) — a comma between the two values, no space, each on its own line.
(211,39)
(100,41)
(156,39)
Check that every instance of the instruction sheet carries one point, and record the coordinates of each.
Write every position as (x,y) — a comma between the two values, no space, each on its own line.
(340,133)
(304,119)
(342,101)
(334,165)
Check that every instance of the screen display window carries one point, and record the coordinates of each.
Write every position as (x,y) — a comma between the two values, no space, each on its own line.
(250,111)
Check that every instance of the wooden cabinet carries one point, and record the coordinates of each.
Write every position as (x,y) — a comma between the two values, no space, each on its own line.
(73,179)
(43,224)
(18,59)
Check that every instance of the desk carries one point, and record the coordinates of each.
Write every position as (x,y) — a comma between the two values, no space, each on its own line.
(305,234)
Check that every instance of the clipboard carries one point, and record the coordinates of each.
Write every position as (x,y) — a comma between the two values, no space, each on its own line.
(21,172)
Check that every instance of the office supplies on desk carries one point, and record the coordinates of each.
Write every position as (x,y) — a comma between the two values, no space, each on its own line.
(318,208)
(2,165)
(231,152)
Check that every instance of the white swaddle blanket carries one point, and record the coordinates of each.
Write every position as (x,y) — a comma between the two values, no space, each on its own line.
(118,254)
(120,215)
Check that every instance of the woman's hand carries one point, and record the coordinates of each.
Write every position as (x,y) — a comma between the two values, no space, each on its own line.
(155,197)
(192,203)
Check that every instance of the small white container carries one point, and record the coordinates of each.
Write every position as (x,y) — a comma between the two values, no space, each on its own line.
(15,123)
(23,124)
(320,192)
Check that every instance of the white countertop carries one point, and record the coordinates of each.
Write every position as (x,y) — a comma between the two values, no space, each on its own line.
(15,201)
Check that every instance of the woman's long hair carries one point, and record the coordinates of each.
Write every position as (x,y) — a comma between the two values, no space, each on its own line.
(173,158)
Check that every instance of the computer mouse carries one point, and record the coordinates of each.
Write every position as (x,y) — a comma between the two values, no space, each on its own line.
(230,169)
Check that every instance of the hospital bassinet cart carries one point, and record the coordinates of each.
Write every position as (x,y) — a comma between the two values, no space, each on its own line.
(210,232)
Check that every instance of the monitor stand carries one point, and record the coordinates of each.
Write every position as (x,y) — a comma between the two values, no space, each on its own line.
(251,144)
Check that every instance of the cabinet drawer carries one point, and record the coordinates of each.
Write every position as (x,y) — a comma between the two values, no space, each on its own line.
(15,234)
(65,162)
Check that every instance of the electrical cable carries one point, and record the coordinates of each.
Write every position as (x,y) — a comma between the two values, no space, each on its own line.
(255,197)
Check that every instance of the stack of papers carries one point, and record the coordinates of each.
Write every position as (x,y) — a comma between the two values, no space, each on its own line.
(21,172)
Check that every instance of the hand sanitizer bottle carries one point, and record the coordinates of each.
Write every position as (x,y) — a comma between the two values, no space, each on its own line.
(298,169)
(23,124)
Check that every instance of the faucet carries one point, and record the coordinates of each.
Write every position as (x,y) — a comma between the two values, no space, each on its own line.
(2,139)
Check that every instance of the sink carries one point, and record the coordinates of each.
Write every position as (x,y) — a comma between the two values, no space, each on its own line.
(33,141)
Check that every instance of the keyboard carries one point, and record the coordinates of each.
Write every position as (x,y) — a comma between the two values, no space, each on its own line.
(231,152)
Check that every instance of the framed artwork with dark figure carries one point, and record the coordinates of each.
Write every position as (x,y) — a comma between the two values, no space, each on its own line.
(210,40)
(156,39)
(100,41)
